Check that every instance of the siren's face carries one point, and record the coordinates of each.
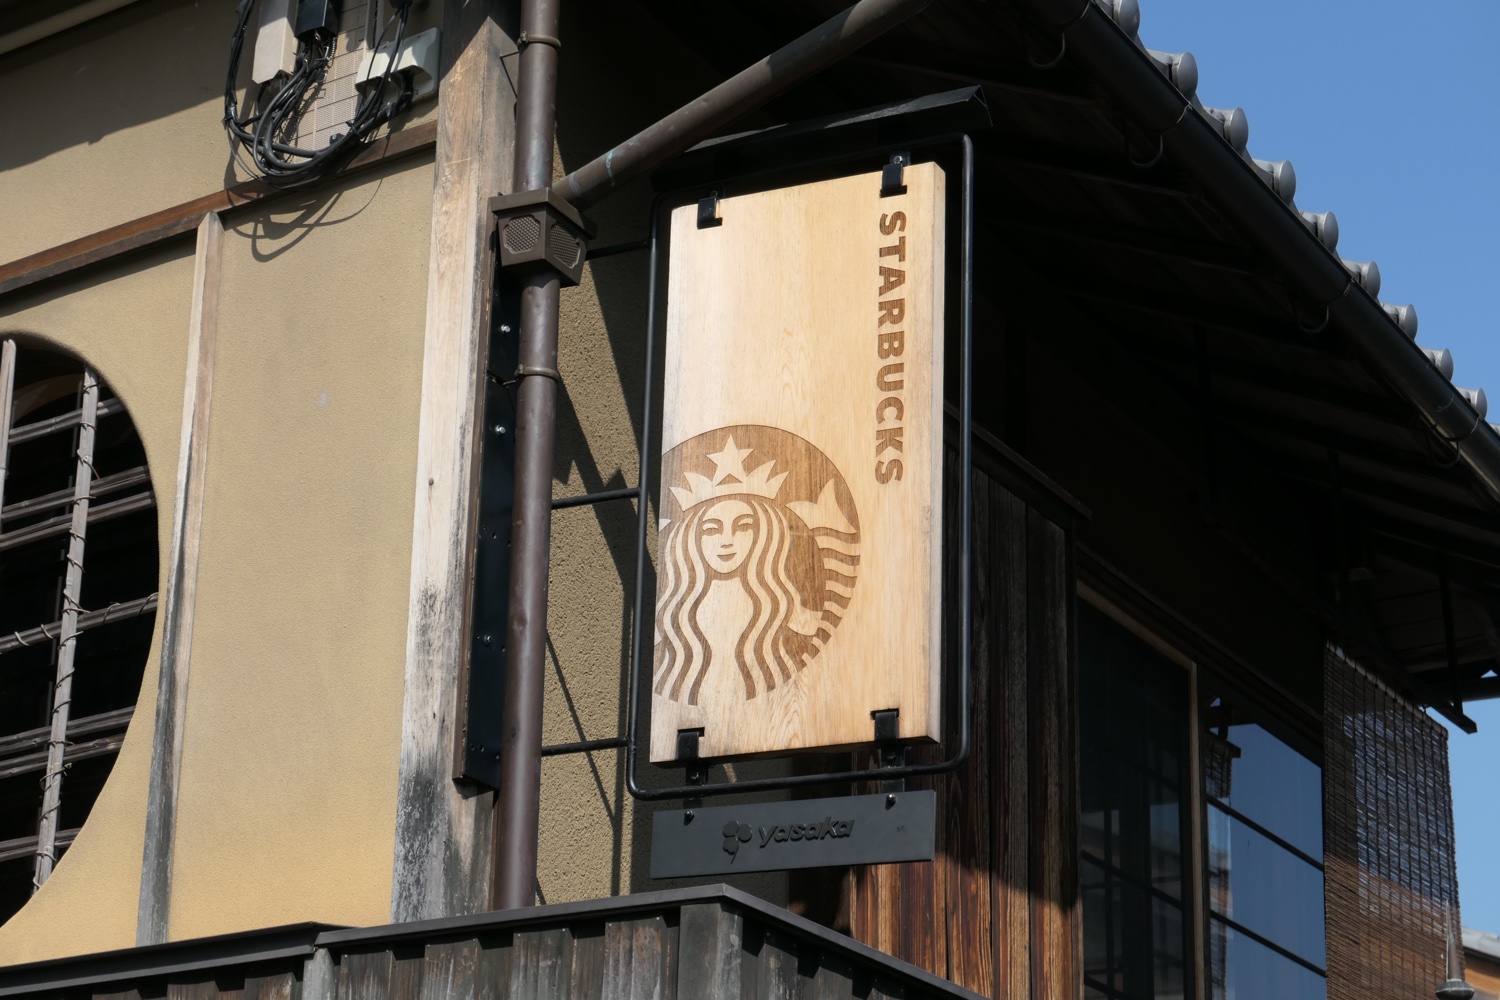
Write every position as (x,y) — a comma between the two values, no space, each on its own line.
(726,534)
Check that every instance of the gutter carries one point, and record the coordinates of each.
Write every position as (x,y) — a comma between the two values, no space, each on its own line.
(1109,53)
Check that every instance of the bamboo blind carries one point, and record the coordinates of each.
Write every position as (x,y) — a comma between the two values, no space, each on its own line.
(1390,883)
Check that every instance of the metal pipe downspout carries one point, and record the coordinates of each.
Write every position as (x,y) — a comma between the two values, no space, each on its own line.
(741,93)
(1099,47)
(518,803)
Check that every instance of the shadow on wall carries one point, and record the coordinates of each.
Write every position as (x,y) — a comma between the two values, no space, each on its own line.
(139,64)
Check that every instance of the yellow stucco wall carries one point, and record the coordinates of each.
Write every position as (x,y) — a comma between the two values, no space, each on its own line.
(131,323)
(120,117)
(286,808)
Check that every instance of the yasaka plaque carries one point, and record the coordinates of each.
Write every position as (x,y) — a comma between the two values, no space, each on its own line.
(798,581)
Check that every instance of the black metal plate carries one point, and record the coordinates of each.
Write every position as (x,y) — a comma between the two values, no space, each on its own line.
(802,833)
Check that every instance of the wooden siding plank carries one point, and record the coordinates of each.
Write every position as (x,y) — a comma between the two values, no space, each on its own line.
(833,980)
(587,980)
(541,964)
(450,970)
(1055,924)
(442,855)
(277,986)
(365,975)
(633,959)
(407,973)
(711,940)
(182,588)
(777,965)
(970,834)
(1010,876)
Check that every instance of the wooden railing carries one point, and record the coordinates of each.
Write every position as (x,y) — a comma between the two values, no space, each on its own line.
(705,943)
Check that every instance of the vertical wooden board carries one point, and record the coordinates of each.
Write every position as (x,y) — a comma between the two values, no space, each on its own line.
(442,851)
(541,964)
(1011,895)
(834,979)
(450,970)
(319,977)
(777,968)
(632,959)
(1054,836)
(408,964)
(969,861)
(365,975)
(182,587)
(197,989)
(801,477)
(276,986)
(710,948)
(586,981)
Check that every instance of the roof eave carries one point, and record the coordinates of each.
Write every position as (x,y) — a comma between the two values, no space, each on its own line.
(1106,52)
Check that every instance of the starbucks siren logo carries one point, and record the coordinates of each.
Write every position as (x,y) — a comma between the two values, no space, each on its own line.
(758,560)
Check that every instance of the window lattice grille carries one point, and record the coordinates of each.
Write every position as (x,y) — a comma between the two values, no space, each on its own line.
(78,567)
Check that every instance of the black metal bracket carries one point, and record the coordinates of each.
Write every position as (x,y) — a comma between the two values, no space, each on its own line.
(893,174)
(892,752)
(697,768)
(957,146)
(708,211)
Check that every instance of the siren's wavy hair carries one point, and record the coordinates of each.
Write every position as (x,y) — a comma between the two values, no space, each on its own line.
(683,652)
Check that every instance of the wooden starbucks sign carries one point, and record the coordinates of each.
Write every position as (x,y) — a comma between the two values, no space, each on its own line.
(798,582)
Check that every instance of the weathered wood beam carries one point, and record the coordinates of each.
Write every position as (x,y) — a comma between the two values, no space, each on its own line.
(442,853)
(67,644)
(182,587)
(87,620)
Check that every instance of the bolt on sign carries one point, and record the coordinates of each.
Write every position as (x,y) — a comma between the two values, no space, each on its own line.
(798,579)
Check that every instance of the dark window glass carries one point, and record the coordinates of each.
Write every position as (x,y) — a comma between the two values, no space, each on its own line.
(1264,887)
(1269,781)
(44,453)
(1240,968)
(1264,817)
(1134,725)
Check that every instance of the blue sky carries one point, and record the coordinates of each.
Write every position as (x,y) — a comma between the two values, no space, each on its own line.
(1390,113)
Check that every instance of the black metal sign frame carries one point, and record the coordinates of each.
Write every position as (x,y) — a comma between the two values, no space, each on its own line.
(947,148)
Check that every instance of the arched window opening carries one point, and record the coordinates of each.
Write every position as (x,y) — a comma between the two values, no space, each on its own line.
(78,577)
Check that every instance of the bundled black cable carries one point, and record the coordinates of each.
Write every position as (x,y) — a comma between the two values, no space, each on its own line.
(281,104)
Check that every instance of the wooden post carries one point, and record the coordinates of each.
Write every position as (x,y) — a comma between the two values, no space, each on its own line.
(7,397)
(67,643)
(181,589)
(442,855)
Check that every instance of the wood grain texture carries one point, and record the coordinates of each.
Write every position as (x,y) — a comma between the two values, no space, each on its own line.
(997,910)
(366,975)
(710,948)
(1011,875)
(777,968)
(541,964)
(798,572)
(182,587)
(442,854)
(276,986)
(633,953)
(450,970)
(1056,925)
(149,230)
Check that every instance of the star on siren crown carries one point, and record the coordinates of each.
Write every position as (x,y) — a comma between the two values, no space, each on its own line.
(730,478)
